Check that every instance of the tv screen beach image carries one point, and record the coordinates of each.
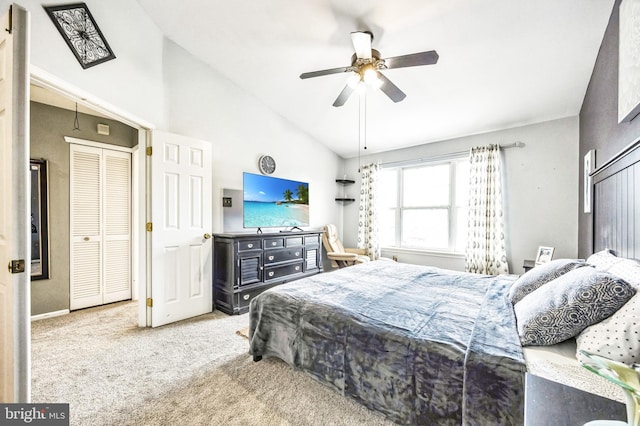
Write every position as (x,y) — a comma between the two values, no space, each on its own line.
(274,202)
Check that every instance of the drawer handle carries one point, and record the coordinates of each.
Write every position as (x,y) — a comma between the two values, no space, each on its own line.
(86,238)
(250,245)
(297,253)
(273,243)
(270,273)
(270,257)
(297,268)
(246,297)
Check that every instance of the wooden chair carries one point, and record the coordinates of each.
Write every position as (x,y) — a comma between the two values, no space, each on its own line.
(337,253)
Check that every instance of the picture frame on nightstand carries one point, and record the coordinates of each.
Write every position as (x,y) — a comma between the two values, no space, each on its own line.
(545,254)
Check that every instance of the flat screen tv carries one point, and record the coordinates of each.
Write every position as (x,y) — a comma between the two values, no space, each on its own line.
(274,202)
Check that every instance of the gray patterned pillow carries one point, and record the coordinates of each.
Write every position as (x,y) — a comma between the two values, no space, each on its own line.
(617,337)
(567,305)
(541,275)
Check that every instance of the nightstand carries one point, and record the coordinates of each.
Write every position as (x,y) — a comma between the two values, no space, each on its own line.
(528,265)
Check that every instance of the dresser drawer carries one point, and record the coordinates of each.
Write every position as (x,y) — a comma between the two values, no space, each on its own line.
(311,240)
(276,272)
(282,255)
(270,243)
(243,298)
(293,241)
(245,245)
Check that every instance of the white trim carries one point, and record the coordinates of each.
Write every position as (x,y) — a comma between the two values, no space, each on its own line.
(418,252)
(48,81)
(95,144)
(49,315)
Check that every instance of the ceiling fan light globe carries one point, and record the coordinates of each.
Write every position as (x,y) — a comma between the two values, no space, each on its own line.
(370,76)
(361,89)
(376,83)
(353,81)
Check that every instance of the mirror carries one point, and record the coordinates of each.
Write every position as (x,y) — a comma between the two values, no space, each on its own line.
(39,221)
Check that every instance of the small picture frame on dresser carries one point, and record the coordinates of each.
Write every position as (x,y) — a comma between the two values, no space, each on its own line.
(545,254)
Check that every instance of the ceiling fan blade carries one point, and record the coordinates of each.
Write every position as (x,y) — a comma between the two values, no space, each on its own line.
(412,60)
(323,72)
(343,96)
(361,44)
(390,89)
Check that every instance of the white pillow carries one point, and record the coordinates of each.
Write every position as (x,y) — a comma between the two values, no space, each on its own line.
(627,269)
(617,337)
(603,260)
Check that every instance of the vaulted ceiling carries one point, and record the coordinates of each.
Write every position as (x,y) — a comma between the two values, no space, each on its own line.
(503,63)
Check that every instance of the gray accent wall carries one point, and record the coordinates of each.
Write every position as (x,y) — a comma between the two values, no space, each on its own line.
(49,126)
(599,128)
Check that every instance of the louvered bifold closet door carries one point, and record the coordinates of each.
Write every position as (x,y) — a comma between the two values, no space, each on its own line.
(86,227)
(117,220)
(100,195)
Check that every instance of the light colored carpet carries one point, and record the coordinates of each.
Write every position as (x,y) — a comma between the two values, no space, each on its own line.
(195,372)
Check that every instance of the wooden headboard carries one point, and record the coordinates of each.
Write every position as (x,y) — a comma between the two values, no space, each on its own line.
(616,203)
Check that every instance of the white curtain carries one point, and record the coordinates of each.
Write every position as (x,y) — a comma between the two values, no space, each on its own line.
(367,217)
(486,250)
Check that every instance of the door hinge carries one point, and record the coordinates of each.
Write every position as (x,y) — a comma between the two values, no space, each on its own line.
(10,29)
(149,226)
(16,266)
(149,302)
(149,150)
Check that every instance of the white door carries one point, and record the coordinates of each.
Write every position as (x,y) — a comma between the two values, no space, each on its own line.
(14,207)
(100,216)
(181,217)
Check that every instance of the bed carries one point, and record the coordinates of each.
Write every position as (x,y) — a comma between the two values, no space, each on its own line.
(384,334)
(428,346)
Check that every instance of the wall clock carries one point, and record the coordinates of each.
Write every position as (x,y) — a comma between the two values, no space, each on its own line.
(266,164)
(78,28)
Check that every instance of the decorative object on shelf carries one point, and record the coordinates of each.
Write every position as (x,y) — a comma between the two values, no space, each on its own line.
(79,29)
(629,62)
(266,164)
(545,254)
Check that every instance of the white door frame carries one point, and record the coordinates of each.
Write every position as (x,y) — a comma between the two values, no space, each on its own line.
(139,264)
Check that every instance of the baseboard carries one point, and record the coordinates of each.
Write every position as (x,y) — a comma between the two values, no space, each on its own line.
(49,315)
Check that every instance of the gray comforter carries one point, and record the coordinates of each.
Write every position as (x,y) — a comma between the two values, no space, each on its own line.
(421,345)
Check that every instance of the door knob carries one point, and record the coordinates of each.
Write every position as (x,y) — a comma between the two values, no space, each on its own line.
(207,236)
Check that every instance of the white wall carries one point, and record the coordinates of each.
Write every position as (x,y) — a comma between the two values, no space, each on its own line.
(204,105)
(157,81)
(541,192)
(132,82)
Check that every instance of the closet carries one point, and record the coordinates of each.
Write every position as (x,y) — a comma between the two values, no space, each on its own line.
(100,226)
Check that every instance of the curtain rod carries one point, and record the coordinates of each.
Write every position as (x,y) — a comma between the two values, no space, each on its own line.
(516,144)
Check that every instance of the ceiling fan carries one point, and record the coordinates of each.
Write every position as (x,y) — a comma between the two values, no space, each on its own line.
(367,63)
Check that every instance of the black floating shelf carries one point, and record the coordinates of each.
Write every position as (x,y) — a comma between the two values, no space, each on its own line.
(345,199)
(345,181)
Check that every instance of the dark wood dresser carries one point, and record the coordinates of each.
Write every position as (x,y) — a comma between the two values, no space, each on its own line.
(245,265)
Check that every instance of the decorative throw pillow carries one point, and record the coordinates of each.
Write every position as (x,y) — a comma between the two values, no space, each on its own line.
(617,337)
(541,275)
(567,305)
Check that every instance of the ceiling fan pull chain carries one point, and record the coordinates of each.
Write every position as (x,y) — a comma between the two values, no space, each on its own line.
(365,120)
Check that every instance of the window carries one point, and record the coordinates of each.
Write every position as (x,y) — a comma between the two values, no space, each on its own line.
(424,206)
